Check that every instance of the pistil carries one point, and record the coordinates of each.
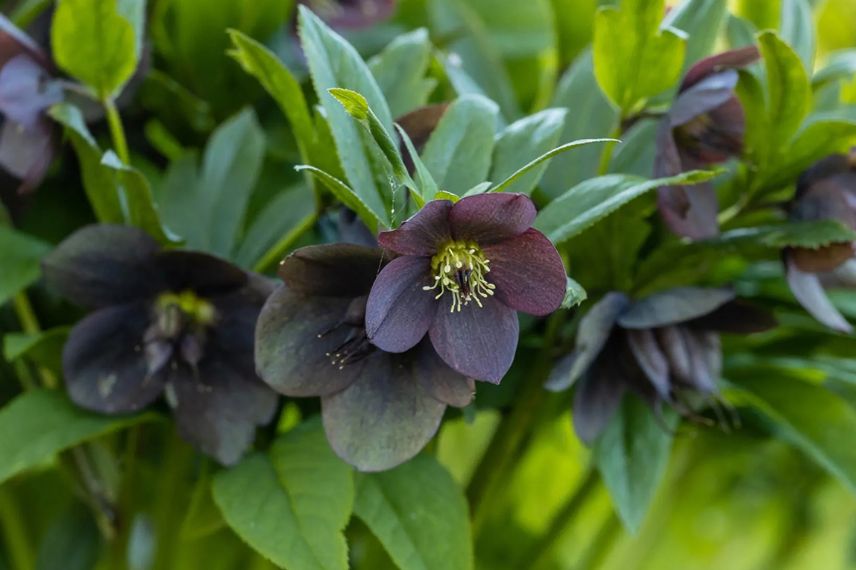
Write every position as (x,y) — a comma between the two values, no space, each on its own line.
(460,268)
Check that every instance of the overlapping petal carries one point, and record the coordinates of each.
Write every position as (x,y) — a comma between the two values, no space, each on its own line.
(423,233)
(399,310)
(491,218)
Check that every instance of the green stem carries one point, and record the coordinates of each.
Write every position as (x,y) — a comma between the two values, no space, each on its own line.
(172,502)
(606,154)
(276,252)
(15,536)
(30,325)
(601,545)
(117,132)
(26,13)
(543,549)
(512,430)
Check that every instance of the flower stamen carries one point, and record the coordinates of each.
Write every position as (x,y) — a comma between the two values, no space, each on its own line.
(460,268)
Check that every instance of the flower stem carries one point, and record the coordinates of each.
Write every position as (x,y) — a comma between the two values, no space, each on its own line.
(117,132)
(602,543)
(14,534)
(606,154)
(512,430)
(541,552)
(277,251)
(30,325)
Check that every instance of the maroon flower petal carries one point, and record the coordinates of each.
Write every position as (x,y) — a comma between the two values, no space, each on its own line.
(703,97)
(399,311)
(200,272)
(382,420)
(808,290)
(674,306)
(528,273)
(218,407)
(103,265)
(438,380)
(13,41)
(730,59)
(333,270)
(651,359)
(26,154)
(353,14)
(596,400)
(478,342)
(423,233)
(491,218)
(26,90)
(297,339)
(104,363)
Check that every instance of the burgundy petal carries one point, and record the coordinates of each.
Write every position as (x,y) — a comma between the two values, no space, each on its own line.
(478,342)
(103,265)
(651,359)
(399,310)
(353,230)
(597,399)
(822,259)
(703,97)
(297,339)
(219,406)
(528,273)
(423,233)
(730,59)
(200,272)
(420,123)
(737,316)
(382,420)
(26,90)
(437,379)
(354,14)
(491,218)
(26,154)
(674,306)
(104,363)
(13,42)
(808,290)
(332,270)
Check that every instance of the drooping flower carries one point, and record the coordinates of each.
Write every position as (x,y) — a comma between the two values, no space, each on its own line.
(705,126)
(174,323)
(664,348)
(826,191)
(352,14)
(27,89)
(464,271)
(379,409)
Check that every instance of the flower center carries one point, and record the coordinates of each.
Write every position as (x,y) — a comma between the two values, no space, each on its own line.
(175,310)
(178,330)
(460,268)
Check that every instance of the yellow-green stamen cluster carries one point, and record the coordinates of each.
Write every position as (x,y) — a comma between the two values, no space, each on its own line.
(185,306)
(460,268)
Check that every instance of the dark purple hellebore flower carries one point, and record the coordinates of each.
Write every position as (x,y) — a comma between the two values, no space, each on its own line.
(705,126)
(379,409)
(27,90)
(177,323)
(464,271)
(351,14)
(664,348)
(826,191)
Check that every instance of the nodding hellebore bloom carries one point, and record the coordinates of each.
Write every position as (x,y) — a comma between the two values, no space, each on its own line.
(463,272)
(664,348)
(27,90)
(826,191)
(177,323)
(379,409)
(352,14)
(705,126)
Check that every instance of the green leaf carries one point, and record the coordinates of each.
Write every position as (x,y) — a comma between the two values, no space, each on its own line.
(21,257)
(839,65)
(37,425)
(523,141)
(43,348)
(419,514)
(427,185)
(400,71)
(279,82)
(285,212)
(633,58)
(344,194)
(292,506)
(632,454)
(636,153)
(333,62)
(579,93)
(458,153)
(94,44)
(807,415)
(587,202)
(574,294)
(524,170)
(788,89)
(701,21)
(797,29)
(208,207)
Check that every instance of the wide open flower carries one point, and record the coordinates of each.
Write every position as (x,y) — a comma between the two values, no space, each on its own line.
(705,126)
(664,348)
(826,191)
(464,271)
(27,90)
(379,409)
(177,323)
